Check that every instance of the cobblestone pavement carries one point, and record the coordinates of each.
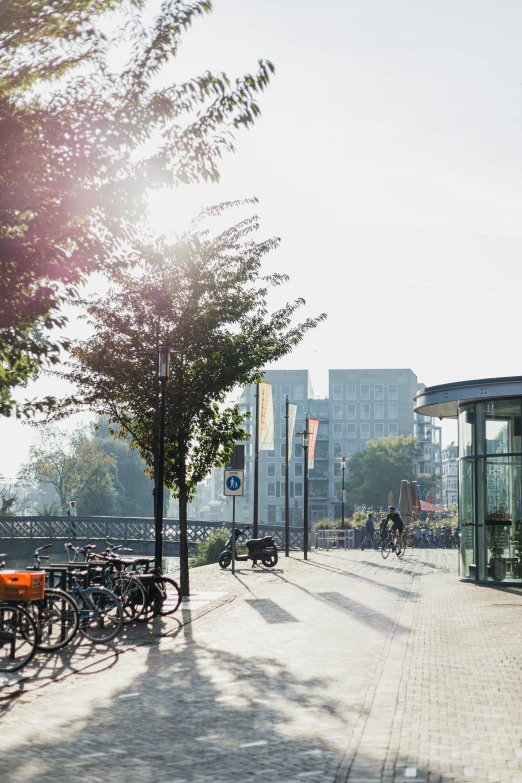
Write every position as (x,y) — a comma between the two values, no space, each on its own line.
(343,669)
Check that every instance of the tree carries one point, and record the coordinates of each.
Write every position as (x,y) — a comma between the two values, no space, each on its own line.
(135,488)
(206,299)
(81,141)
(76,468)
(380,467)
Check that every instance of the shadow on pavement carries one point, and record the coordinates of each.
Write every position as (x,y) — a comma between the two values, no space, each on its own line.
(270,611)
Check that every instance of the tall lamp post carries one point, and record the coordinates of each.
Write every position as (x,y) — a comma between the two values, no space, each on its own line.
(163,376)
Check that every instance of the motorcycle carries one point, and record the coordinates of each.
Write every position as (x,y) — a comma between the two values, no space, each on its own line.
(263,549)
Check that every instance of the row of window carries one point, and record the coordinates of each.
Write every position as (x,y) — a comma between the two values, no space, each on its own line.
(365,390)
(285,389)
(365,410)
(367,431)
(271,469)
(276,489)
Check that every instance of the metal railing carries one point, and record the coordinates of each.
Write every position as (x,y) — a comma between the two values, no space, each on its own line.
(333,539)
(127,529)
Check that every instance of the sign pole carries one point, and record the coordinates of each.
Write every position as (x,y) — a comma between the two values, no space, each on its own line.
(287,482)
(305,510)
(233,535)
(256,467)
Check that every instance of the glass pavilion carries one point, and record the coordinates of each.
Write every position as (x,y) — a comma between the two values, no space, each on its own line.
(489,414)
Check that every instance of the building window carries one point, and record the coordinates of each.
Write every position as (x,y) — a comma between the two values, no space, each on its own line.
(299,391)
(337,469)
(337,411)
(272,514)
(285,389)
(393,410)
(378,391)
(337,450)
(351,430)
(299,412)
(393,430)
(298,469)
(337,391)
(365,391)
(351,448)
(378,410)
(270,453)
(282,470)
(283,410)
(378,429)
(365,431)
(270,489)
(282,452)
(351,410)
(298,489)
(393,391)
(350,391)
(270,469)
(365,411)
(338,430)
(298,450)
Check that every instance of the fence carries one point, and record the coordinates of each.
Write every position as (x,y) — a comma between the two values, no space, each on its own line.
(126,529)
(334,539)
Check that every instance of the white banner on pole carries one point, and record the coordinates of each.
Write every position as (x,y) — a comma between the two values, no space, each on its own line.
(266,417)
(292,411)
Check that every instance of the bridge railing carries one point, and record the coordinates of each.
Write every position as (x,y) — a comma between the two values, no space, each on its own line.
(126,529)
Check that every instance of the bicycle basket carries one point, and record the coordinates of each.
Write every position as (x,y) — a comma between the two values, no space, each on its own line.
(22,585)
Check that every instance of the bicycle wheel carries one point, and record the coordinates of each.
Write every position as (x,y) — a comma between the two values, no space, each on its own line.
(386,548)
(171,596)
(399,551)
(153,603)
(132,597)
(57,615)
(18,637)
(101,616)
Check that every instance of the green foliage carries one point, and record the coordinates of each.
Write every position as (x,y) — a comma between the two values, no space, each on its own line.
(325,524)
(206,299)
(7,503)
(48,510)
(81,143)
(516,540)
(379,468)
(209,551)
(76,468)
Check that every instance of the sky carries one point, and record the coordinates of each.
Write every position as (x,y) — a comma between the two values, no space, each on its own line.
(388,158)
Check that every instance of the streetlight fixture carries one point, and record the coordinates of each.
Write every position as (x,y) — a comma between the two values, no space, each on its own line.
(342,460)
(163,376)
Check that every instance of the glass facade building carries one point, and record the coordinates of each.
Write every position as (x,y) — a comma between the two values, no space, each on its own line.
(489,414)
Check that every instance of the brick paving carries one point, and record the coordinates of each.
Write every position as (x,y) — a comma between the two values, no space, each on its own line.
(343,669)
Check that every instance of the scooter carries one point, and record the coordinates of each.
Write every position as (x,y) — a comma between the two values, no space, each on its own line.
(263,549)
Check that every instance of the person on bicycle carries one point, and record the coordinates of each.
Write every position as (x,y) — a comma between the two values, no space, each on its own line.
(397,523)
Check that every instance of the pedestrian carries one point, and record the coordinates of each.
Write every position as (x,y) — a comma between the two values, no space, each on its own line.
(369,537)
(383,529)
(72,512)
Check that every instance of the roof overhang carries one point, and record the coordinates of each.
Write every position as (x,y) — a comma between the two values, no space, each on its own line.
(443,401)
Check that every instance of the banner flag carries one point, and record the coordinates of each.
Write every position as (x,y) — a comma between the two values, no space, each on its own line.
(266,417)
(292,410)
(313,426)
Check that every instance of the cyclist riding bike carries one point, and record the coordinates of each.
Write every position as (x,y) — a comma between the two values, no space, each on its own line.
(397,523)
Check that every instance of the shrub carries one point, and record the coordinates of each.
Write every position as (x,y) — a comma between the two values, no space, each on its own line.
(209,551)
(325,524)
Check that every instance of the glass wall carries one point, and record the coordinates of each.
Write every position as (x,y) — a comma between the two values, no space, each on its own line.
(490,476)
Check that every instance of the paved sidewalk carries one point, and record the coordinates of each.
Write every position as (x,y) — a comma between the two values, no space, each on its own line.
(345,668)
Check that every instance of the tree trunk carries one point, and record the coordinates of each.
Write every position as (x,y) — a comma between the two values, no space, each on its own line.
(183,535)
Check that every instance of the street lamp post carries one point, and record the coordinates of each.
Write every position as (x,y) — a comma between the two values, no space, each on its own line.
(163,376)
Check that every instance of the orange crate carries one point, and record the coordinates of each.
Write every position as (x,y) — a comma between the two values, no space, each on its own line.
(22,585)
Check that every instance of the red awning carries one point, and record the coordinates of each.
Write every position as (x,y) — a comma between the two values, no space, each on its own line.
(430,507)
